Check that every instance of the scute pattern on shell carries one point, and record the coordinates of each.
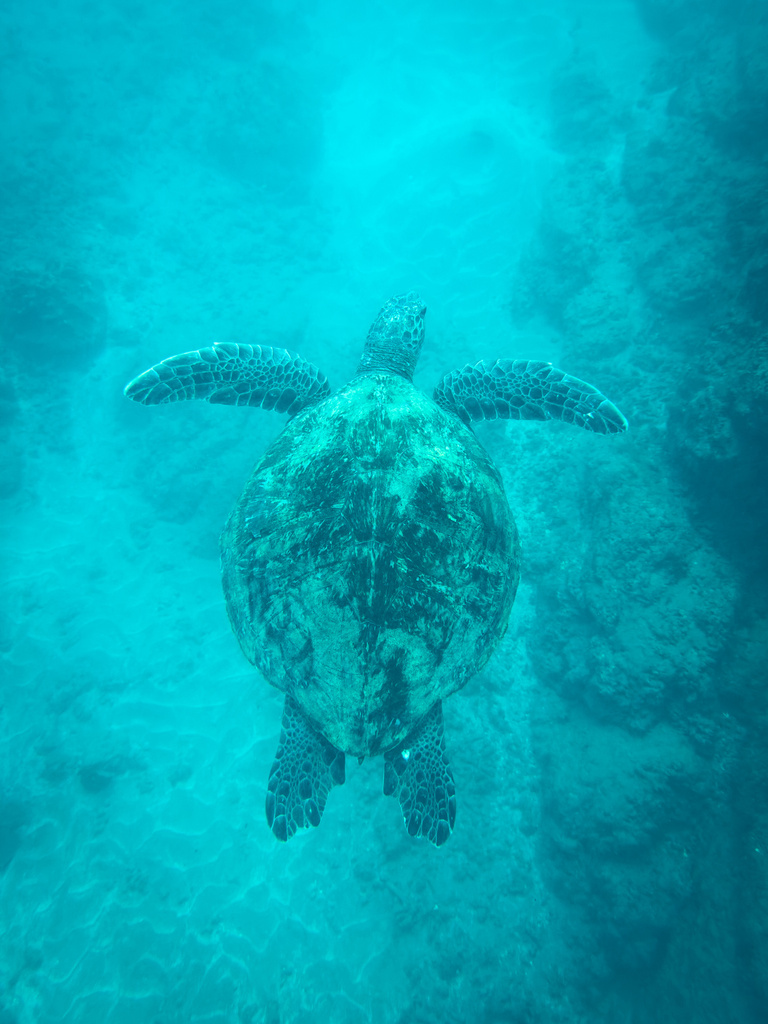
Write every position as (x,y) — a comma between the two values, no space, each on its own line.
(371,563)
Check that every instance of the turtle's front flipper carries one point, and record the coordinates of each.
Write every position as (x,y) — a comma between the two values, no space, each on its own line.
(521,389)
(305,770)
(230,374)
(419,775)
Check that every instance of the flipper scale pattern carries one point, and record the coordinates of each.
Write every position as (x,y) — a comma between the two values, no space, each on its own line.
(526,389)
(230,374)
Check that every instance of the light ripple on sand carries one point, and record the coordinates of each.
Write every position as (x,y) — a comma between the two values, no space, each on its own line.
(80,1006)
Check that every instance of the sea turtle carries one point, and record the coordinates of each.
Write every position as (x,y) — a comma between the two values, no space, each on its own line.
(370,564)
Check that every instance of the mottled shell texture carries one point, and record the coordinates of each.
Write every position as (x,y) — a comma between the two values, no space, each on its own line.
(371,563)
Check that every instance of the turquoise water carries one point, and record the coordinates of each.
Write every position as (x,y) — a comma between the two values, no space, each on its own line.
(573,181)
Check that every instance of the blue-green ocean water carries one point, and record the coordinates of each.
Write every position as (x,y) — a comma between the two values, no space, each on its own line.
(580,181)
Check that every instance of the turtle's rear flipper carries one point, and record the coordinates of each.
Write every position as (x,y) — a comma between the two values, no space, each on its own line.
(305,769)
(522,389)
(419,775)
(230,374)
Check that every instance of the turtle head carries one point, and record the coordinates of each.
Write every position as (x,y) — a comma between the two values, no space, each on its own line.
(396,336)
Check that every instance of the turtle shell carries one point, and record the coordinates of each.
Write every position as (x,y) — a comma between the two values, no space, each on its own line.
(371,563)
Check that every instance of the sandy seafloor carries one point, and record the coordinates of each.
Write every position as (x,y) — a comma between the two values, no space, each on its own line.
(582,182)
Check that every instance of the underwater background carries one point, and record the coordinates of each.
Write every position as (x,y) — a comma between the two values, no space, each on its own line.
(579,181)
